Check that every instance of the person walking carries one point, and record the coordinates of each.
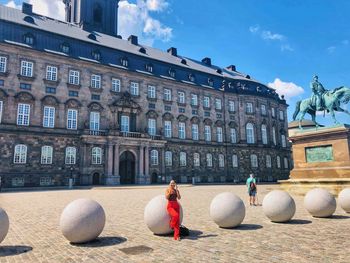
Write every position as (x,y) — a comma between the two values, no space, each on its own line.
(252,189)
(172,194)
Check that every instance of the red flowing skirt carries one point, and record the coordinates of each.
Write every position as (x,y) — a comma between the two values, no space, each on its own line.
(174,212)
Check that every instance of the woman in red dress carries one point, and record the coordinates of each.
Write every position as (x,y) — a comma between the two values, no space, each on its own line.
(172,194)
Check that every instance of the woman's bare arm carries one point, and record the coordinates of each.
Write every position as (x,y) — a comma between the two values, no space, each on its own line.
(178,194)
(167,194)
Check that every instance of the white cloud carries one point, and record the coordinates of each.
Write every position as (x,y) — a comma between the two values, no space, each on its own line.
(157,5)
(254,29)
(286,47)
(268,35)
(331,49)
(288,89)
(13,4)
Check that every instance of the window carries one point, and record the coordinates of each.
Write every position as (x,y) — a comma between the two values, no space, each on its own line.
(167,108)
(72,116)
(46,155)
(263,109)
(207,133)
(71,153)
(45,181)
(281,115)
(206,102)
(23,114)
(25,86)
(219,134)
(233,135)
(250,133)
(278,162)
(194,112)
(249,107)
(116,85)
(268,161)
(1,82)
(17,181)
(283,141)
(274,136)
(273,112)
(124,127)
(96,55)
(194,99)
(49,117)
(264,134)
(181,97)
(221,161)
(209,159)
(27,68)
(151,106)
(234,161)
(1,109)
(74,77)
(51,73)
(134,88)
(151,92)
(167,94)
(149,68)
(210,82)
(152,127)
(154,157)
(254,161)
(29,39)
(73,93)
(196,160)
(218,104)
(50,90)
(3,64)
(195,132)
(182,110)
(231,106)
(65,48)
(94,121)
(191,77)
(285,159)
(20,155)
(172,73)
(95,97)
(95,81)
(168,158)
(124,62)
(96,155)
(183,159)
(167,129)
(182,130)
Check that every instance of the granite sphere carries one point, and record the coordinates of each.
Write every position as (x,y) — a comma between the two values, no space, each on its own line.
(227,210)
(344,199)
(4,224)
(82,220)
(156,215)
(320,203)
(279,206)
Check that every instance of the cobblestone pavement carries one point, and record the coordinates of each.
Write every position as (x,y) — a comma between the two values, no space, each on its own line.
(34,218)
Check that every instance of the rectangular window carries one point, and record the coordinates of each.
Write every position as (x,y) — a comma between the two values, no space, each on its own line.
(20,155)
(181,97)
(268,161)
(23,114)
(196,160)
(234,161)
(74,77)
(134,88)
(231,106)
(283,141)
(281,115)
(95,97)
(73,93)
(167,108)
(125,127)
(285,163)
(168,158)
(17,181)
(182,130)
(3,64)
(194,99)
(207,113)
(207,133)
(116,85)
(46,155)
(167,129)
(1,82)
(51,73)
(27,68)
(49,117)
(233,135)
(45,181)
(50,90)
(219,134)
(195,135)
(71,154)
(278,162)
(95,81)
(254,161)
(152,127)
(209,159)
(182,110)
(221,161)
(94,121)
(249,107)
(25,86)
(151,92)
(263,109)
(274,136)
(273,112)
(206,102)
(218,104)
(151,106)
(194,112)
(167,94)
(1,109)
(72,117)
(183,161)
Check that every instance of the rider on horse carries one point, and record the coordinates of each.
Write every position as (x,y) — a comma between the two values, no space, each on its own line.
(317,94)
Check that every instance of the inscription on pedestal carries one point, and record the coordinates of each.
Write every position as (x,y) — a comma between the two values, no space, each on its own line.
(319,154)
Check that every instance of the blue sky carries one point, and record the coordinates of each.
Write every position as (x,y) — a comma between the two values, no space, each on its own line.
(285,40)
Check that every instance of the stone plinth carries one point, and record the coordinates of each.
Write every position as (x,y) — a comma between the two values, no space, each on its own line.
(113,180)
(321,159)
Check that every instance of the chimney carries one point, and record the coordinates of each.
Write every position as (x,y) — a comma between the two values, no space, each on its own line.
(231,68)
(133,40)
(27,9)
(207,61)
(172,51)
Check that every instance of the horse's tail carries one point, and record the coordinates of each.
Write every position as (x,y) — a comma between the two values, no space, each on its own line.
(297,109)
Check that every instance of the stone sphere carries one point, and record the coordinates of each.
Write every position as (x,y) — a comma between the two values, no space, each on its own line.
(82,220)
(156,215)
(344,199)
(278,206)
(227,210)
(4,224)
(320,203)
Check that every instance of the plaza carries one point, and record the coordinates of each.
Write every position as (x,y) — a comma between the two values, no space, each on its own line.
(34,226)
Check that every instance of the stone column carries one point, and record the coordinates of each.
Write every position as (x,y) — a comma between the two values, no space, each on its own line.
(141,174)
(109,160)
(147,165)
(113,178)
(116,160)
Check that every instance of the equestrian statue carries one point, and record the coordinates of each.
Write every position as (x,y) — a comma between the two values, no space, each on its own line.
(322,100)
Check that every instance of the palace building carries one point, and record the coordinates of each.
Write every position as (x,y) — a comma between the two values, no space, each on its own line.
(78,101)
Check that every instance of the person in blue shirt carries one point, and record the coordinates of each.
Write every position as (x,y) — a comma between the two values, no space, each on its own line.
(251,184)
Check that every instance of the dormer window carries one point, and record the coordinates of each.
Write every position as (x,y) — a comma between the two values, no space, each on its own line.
(92,37)
(29,19)
(191,77)
(65,48)
(124,62)
(183,61)
(210,82)
(219,71)
(172,73)
(142,50)
(96,55)
(149,68)
(28,39)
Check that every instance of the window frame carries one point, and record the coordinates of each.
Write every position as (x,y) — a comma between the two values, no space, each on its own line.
(72,123)
(51,73)
(20,154)
(96,81)
(25,115)
(46,154)
(27,68)
(49,114)
(70,155)
(96,155)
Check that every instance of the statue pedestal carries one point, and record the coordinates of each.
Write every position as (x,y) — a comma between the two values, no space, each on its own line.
(321,159)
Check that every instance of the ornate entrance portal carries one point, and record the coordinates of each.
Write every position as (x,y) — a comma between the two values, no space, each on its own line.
(127,168)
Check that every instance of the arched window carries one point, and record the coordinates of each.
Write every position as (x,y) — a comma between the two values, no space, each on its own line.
(20,155)
(207,133)
(96,155)
(278,162)
(233,135)
(285,159)
(268,161)
(250,133)
(221,161)
(97,14)
(274,136)
(196,160)
(168,158)
(254,161)
(234,161)
(154,157)
(46,155)
(183,161)
(71,153)
(209,159)
(283,141)
(264,134)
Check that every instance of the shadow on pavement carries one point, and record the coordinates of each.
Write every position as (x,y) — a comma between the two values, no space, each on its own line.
(14,250)
(196,234)
(246,227)
(339,217)
(297,222)
(102,242)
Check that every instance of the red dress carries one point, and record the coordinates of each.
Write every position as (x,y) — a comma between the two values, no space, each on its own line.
(174,212)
